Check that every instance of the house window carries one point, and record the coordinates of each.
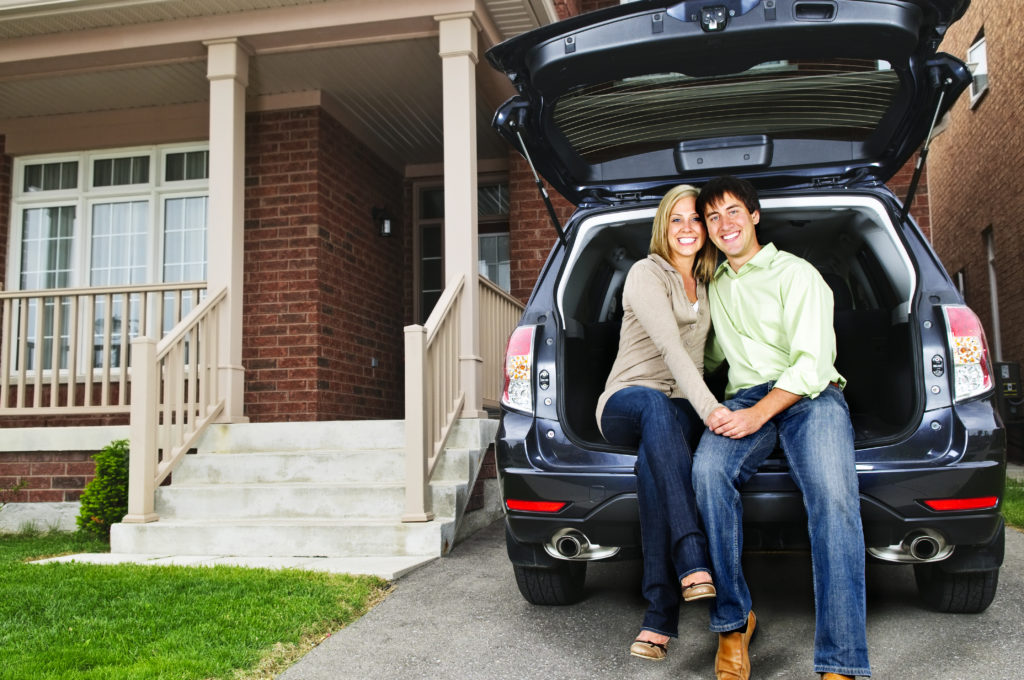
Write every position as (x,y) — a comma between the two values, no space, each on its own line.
(977,61)
(99,219)
(493,244)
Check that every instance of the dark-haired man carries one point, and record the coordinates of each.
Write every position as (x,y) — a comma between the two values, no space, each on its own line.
(772,318)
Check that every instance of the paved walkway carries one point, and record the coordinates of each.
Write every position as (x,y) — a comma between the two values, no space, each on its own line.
(462,617)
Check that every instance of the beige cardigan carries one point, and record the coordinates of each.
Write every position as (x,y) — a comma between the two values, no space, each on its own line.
(661,344)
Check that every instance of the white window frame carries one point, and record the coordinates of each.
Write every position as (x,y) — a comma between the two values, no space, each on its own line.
(84,196)
(977,61)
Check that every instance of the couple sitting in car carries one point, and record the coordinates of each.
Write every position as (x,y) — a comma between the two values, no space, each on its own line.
(769,315)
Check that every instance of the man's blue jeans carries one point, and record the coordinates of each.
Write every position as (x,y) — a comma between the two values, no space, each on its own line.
(817,438)
(664,431)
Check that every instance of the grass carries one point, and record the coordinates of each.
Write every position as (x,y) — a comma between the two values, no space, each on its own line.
(1013,503)
(113,622)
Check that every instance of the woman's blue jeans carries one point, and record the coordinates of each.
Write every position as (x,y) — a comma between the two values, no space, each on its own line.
(817,439)
(664,431)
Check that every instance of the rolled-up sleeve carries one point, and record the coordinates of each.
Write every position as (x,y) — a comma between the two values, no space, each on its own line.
(807,319)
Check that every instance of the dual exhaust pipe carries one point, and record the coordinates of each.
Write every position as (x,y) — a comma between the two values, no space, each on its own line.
(572,544)
(920,545)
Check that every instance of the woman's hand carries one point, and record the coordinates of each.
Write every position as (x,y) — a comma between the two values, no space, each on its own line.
(736,424)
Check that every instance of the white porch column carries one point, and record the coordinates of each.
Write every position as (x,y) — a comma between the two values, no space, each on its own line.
(458,50)
(228,73)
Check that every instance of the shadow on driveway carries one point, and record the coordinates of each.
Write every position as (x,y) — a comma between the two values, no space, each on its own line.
(462,617)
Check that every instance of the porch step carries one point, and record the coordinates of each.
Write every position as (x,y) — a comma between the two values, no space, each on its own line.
(295,500)
(282,537)
(308,489)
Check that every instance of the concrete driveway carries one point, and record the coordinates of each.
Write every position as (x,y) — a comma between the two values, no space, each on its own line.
(462,617)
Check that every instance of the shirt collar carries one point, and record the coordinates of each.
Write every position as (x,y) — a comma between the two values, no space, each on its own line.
(762,260)
(665,264)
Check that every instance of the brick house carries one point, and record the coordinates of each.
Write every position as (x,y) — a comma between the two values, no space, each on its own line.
(974,179)
(329,166)
(223,175)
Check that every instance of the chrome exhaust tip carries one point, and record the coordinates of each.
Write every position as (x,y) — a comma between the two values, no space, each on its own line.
(572,544)
(921,545)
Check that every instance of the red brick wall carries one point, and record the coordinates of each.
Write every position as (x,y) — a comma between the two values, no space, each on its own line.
(50,476)
(975,173)
(323,291)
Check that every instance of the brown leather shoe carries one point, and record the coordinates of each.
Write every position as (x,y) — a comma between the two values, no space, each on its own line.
(646,649)
(699,591)
(836,676)
(733,660)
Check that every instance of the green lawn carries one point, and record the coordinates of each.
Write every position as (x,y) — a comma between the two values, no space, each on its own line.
(1013,503)
(81,621)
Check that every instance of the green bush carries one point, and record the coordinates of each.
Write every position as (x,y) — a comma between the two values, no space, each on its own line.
(105,499)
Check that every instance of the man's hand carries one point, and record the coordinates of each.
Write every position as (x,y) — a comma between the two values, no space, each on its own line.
(738,424)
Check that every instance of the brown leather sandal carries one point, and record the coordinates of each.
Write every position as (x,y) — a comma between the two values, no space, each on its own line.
(699,591)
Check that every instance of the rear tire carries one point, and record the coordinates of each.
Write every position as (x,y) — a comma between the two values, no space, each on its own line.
(558,585)
(969,592)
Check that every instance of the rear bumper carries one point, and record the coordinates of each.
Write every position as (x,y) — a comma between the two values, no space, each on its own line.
(604,506)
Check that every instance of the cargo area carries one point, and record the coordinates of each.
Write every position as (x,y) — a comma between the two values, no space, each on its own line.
(853,246)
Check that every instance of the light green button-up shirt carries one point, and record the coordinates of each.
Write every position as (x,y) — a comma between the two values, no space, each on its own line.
(773,321)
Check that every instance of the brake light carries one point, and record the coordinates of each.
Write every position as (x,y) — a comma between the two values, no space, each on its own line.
(972,364)
(946,504)
(518,391)
(534,506)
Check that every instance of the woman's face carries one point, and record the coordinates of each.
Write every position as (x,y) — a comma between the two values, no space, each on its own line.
(686,233)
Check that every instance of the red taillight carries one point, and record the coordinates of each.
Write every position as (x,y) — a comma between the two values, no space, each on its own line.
(947,504)
(534,506)
(972,365)
(518,390)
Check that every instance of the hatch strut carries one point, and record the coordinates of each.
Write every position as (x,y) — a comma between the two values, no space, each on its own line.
(543,191)
(923,156)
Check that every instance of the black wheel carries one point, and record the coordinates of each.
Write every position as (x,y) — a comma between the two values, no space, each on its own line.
(969,592)
(557,585)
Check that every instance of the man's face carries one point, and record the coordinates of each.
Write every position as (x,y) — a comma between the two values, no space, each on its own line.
(731,228)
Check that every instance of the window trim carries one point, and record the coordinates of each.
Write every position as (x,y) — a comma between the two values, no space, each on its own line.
(979,69)
(85,196)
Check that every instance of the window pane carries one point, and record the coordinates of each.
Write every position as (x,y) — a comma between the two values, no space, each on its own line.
(494,259)
(492,200)
(46,247)
(50,176)
(432,204)
(119,243)
(430,243)
(107,172)
(185,239)
(187,165)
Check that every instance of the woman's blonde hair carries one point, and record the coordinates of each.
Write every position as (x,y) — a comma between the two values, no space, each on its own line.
(707,259)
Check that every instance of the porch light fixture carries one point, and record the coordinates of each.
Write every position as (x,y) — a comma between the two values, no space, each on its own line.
(383,220)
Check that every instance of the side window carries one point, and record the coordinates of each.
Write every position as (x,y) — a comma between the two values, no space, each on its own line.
(977,61)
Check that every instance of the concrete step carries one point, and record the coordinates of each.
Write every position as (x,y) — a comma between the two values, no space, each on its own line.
(299,500)
(362,465)
(279,537)
(339,435)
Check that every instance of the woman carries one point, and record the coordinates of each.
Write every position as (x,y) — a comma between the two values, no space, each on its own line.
(656,399)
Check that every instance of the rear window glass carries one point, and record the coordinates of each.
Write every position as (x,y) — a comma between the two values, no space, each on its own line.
(842,100)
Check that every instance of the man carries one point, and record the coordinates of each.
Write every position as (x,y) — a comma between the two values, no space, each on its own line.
(772,317)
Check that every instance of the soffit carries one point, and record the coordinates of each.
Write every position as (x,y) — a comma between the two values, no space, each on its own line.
(387,92)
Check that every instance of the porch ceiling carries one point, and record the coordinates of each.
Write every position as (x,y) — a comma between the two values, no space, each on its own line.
(376,65)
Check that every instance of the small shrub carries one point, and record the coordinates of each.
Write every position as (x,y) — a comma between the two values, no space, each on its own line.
(105,499)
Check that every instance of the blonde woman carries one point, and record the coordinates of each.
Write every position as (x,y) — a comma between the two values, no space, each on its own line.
(655,399)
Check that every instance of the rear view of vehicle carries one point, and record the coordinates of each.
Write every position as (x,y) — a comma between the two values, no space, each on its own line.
(825,102)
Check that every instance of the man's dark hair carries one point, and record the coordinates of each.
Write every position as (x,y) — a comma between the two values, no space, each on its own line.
(714,191)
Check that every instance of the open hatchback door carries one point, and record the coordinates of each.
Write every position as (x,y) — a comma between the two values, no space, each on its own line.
(620,103)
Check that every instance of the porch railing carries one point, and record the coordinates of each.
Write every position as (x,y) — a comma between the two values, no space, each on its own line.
(68,350)
(433,394)
(176,395)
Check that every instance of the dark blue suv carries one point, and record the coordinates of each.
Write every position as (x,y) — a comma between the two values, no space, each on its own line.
(818,103)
